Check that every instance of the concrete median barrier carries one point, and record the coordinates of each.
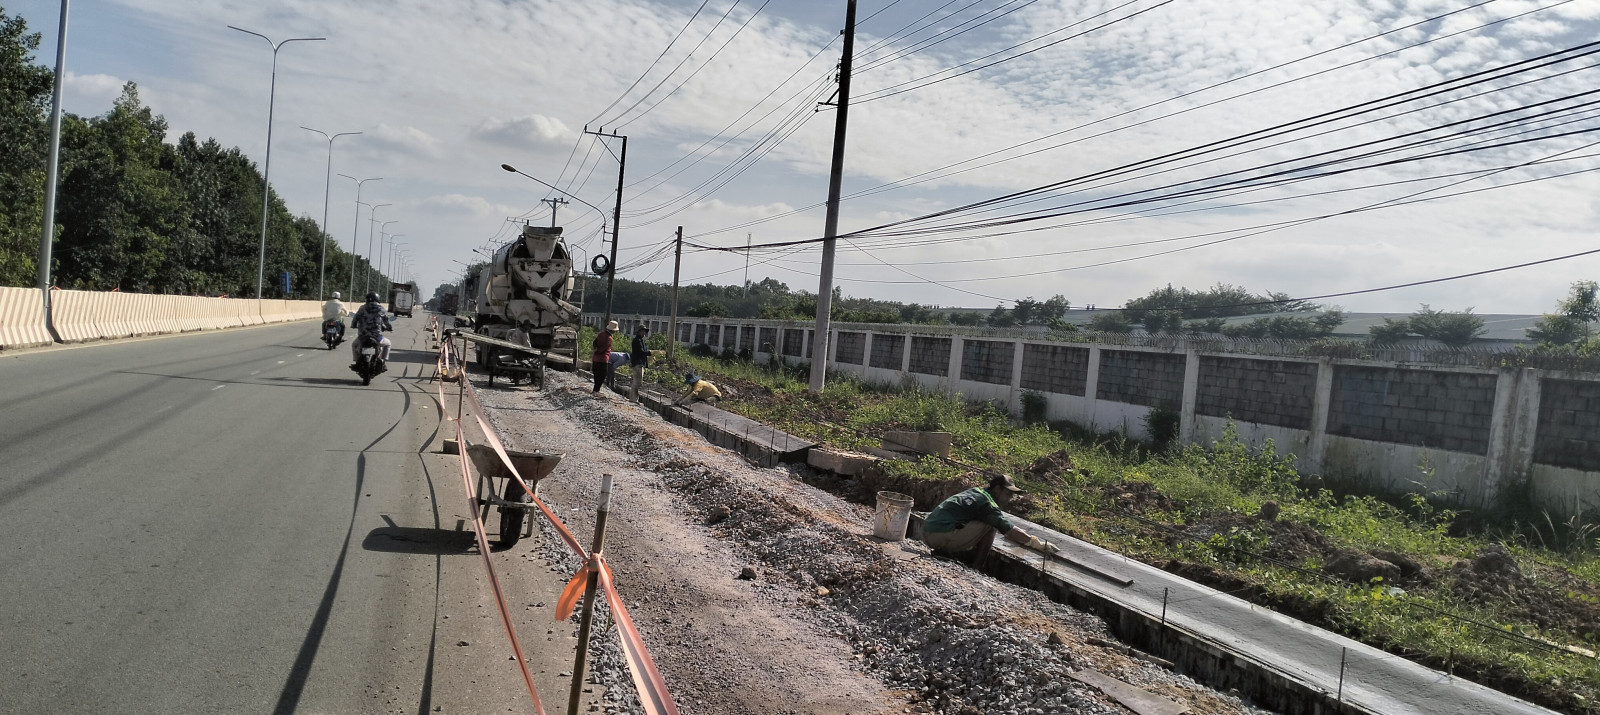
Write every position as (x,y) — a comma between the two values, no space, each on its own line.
(22,318)
(75,313)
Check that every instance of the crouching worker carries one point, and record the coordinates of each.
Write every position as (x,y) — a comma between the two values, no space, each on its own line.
(963,526)
(699,391)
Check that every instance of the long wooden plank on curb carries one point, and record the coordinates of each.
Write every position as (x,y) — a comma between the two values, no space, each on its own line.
(1132,697)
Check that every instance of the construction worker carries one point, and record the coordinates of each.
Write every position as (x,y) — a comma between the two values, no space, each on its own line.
(639,354)
(963,526)
(600,356)
(699,391)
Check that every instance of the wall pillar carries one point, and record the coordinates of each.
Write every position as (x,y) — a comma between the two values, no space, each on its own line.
(1191,391)
(866,354)
(1321,402)
(1091,386)
(1508,465)
(905,354)
(953,372)
(1014,398)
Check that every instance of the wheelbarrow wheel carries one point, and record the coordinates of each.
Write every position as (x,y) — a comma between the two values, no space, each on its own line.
(511,518)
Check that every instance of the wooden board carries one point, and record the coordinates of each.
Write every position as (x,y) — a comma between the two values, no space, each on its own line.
(1132,697)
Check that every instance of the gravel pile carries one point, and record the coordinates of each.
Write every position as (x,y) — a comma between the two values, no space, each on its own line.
(945,637)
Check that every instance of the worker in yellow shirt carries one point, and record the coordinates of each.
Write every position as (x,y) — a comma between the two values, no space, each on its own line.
(699,391)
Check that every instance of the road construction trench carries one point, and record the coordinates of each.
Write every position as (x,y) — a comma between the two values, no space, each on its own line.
(759,593)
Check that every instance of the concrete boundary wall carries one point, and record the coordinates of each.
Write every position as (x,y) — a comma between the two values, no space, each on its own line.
(1473,437)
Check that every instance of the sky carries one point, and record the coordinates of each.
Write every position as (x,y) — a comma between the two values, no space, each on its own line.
(1095,109)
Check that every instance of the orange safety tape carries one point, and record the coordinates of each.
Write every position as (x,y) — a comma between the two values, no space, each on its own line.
(494,581)
(574,590)
(646,678)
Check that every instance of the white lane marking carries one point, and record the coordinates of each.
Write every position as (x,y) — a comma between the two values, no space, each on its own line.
(280,362)
(258,372)
(218,387)
(300,355)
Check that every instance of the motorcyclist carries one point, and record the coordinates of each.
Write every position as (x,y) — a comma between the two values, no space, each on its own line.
(370,322)
(333,312)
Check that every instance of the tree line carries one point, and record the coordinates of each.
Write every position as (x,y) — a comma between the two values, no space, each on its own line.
(136,213)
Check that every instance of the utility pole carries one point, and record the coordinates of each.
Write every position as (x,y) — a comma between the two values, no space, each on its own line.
(616,220)
(819,344)
(677,266)
(555,203)
(746,265)
(48,230)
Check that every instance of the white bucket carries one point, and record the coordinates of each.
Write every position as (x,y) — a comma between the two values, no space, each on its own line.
(893,516)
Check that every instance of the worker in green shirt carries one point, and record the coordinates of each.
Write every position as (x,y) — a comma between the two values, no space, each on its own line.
(963,526)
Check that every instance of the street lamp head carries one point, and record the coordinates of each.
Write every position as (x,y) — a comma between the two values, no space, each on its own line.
(509,168)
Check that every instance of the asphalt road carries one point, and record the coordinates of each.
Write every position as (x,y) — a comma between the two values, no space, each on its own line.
(230,522)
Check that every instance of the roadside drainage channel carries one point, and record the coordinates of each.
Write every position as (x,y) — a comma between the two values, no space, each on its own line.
(1278,662)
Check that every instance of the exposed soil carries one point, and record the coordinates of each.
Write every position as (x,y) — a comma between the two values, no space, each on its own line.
(759,593)
(1551,598)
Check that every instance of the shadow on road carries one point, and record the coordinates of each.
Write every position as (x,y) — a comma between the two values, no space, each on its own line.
(419,540)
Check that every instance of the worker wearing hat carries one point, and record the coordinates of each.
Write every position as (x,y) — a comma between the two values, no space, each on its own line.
(600,356)
(700,390)
(963,526)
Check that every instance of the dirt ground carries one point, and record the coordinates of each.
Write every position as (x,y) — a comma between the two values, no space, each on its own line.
(757,593)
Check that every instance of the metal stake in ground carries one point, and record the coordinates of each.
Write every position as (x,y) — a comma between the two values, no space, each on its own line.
(588,595)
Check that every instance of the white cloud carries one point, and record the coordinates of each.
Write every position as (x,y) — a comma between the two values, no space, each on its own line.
(460,204)
(523,132)
(407,140)
(94,91)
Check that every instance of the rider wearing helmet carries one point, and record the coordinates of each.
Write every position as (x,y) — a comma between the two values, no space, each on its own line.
(370,322)
(333,312)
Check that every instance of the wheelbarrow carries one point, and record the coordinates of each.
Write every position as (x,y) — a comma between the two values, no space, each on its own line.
(515,504)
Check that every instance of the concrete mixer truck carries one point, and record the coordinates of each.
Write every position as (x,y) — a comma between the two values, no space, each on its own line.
(523,294)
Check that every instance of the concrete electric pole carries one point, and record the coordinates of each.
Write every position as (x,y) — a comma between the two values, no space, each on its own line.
(819,343)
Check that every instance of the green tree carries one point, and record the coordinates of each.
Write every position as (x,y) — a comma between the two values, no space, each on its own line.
(1454,329)
(1392,331)
(1111,321)
(709,309)
(1571,323)
(24,136)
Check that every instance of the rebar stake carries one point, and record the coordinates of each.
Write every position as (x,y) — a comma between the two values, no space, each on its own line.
(588,595)
(1343,654)
(1165,592)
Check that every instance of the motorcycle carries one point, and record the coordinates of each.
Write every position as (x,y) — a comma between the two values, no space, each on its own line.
(368,365)
(332,334)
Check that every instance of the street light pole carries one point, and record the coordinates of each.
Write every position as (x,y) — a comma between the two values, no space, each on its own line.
(266,170)
(327,186)
(383,229)
(48,230)
(372,219)
(355,225)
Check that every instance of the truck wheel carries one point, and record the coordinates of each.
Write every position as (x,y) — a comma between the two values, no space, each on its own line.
(511,518)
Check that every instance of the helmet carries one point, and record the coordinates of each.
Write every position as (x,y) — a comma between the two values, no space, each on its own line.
(372,297)
(336,295)
(691,378)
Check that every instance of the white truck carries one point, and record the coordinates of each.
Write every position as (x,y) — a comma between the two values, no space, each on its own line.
(402,298)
